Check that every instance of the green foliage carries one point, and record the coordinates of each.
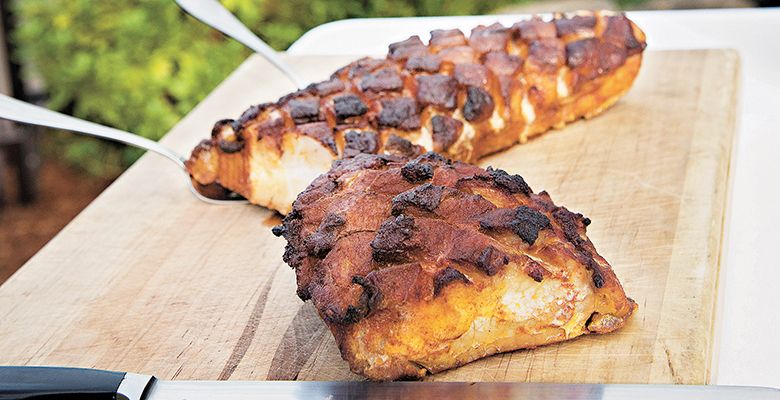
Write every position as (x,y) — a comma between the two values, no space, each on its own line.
(141,65)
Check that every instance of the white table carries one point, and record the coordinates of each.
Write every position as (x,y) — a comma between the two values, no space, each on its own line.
(748,349)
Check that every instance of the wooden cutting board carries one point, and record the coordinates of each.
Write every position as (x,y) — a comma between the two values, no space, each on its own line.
(150,280)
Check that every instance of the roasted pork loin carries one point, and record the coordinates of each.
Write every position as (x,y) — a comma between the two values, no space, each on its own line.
(463,97)
(424,265)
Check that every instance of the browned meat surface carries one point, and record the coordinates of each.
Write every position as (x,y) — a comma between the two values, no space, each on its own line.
(423,265)
(463,97)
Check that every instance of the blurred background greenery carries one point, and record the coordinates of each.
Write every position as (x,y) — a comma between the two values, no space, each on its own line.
(142,65)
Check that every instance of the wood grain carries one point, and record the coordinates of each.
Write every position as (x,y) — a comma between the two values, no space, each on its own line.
(147,279)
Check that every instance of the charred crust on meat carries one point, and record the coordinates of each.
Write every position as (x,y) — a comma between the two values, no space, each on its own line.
(568,223)
(392,241)
(407,48)
(399,112)
(447,276)
(576,24)
(358,142)
(348,105)
(511,183)
(534,270)
(445,131)
(524,221)
(304,110)
(228,143)
(331,86)
(319,243)
(362,67)
(370,298)
(437,90)
(278,230)
(322,132)
(386,79)
(586,221)
(415,171)
(250,114)
(399,146)
(491,260)
(425,197)
(425,63)
(479,104)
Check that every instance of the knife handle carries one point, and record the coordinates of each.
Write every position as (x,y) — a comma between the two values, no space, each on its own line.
(58,382)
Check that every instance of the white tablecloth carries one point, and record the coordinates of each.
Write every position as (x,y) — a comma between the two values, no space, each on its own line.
(748,348)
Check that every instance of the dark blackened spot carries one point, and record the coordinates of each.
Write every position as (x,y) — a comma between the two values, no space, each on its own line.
(408,48)
(491,260)
(304,110)
(426,63)
(568,222)
(319,243)
(385,79)
(414,171)
(471,74)
(250,114)
(528,223)
(392,241)
(399,113)
(512,183)
(399,146)
(348,105)
(445,277)
(534,29)
(370,298)
(576,24)
(586,221)
(425,197)
(278,230)
(525,222)
(227,140)
(433,157)
(437,90)
(445,131)
(329,87)
(357,142)
(598,277)
(350,316)
(547,54)
(479,104)
(322,132)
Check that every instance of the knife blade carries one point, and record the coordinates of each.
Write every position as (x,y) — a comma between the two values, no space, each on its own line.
(32,382)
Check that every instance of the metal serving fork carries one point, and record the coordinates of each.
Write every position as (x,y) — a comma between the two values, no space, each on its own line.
(19,111)
(213,14)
